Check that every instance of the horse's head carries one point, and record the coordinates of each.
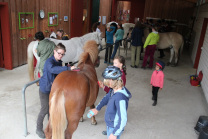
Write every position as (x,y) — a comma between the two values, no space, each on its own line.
(53,35)
(97,62)
(98,37)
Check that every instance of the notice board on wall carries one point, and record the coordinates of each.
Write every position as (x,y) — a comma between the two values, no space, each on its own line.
(26,20)
(53,19)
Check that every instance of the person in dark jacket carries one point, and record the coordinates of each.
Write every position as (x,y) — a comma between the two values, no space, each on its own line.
(109,43)
(117,103)
(52,67)
(136,44)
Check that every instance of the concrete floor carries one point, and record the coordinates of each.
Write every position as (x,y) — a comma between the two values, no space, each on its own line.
(179,105)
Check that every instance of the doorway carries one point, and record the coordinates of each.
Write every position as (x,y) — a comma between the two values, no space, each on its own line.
(86,17)
(76,18)
(201,41)
(1,49)
(5,40)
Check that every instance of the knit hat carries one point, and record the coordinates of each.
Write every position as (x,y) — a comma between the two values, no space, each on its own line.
(161,64)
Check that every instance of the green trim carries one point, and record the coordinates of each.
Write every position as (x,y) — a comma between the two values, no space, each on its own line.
(32,13)
(49,19)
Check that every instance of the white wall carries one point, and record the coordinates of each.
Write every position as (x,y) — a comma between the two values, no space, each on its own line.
(203,65)
(203,62)
(203,13)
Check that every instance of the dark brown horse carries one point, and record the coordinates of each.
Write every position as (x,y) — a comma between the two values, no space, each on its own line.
(71,93)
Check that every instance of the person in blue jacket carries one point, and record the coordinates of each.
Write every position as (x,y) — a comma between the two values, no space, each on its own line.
(52,67)
(109,43)
(117,103)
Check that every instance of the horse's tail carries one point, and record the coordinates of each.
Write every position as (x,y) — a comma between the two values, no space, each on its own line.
(58,115)
(30,60)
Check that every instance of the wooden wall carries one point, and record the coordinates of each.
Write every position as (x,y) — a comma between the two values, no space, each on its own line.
(180,10)
(105,10)
(19,47)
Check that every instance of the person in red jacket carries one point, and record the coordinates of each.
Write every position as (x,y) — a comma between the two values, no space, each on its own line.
(157,80)
(119,61)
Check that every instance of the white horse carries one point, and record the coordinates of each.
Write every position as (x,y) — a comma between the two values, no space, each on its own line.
(172,40)
(73,50)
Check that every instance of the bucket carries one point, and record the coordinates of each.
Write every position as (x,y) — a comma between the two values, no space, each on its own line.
(204,133)
(201,123)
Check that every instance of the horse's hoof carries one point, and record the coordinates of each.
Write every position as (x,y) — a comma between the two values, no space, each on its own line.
(174,65)
(168,64)
(94,123)
(81,119)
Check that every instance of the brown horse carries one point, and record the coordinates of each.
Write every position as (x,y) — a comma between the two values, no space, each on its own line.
(71,93)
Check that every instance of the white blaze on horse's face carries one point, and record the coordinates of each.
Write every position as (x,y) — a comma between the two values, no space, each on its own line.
(53,35)
(98,38)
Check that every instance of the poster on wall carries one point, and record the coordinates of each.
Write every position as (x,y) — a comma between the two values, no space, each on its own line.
(51,20)
(65,18)
(99,19)
(104,20)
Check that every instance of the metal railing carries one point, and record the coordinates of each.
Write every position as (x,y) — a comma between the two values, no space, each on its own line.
(24,105)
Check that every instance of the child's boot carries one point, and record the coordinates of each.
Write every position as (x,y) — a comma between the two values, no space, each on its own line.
(155,103)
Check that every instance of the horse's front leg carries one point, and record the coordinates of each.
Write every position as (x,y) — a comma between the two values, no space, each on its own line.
(93,121)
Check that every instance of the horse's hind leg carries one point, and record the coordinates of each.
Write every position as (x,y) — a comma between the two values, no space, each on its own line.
(93,121)
(71,127)
(176,58)
(171,56)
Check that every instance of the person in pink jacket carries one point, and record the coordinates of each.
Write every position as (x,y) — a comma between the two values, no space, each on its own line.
(157,80)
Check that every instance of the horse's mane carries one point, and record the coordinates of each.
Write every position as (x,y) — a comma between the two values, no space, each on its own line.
(91,49)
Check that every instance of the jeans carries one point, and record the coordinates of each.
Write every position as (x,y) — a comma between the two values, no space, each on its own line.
(108,52)
(115,48)
(150,50)
(44,102)
(110,131)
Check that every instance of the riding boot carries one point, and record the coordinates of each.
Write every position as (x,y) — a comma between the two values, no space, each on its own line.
(40,133)
(155,103)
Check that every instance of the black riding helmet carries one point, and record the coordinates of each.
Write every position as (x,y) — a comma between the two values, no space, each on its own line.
(112,72)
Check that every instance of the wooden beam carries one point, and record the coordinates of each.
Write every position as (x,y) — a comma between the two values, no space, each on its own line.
(193,1)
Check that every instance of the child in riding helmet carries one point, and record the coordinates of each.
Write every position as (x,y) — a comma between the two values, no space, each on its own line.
(157,80)
(119,61)
(117,102)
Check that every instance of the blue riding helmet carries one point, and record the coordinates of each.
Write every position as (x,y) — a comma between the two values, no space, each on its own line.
(161,64)
(112,72)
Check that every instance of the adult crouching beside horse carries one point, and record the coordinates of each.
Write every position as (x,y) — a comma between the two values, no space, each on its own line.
(52,67)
